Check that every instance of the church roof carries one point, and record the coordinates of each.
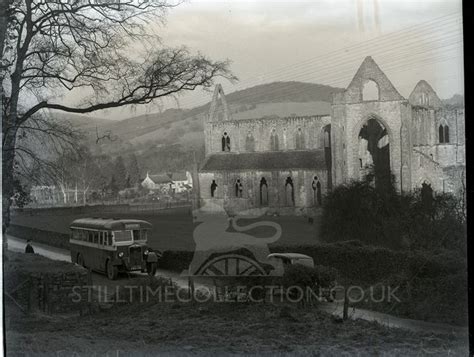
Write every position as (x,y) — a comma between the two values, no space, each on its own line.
(265,161)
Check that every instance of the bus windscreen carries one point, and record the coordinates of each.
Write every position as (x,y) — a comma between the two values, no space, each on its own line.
(123,236)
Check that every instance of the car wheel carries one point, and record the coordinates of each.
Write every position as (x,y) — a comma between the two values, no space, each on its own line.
(112,271)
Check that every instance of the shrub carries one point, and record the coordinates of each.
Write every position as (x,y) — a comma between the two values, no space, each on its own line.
(303,276)
(176,260)
(384,217)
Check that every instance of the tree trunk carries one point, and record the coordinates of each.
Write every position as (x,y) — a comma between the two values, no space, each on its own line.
(7,180)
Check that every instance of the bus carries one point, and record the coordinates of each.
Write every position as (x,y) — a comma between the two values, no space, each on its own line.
(110,246)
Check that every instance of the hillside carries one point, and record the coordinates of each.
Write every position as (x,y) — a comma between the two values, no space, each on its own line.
(166,141)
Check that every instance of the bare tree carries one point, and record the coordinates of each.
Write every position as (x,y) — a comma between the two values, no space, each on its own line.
(50,47)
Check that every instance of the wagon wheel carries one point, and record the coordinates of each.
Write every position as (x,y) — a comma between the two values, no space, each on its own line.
(231,265)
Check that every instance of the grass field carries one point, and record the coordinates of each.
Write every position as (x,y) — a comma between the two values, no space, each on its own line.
(173,228)
(217,329)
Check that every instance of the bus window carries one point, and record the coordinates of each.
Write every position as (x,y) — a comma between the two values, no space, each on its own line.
(109,238)
(136,235)
(91,237)
(101,238)
(122,236)
(144,234)
(96,237)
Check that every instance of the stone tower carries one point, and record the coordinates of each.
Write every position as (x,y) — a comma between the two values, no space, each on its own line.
(371,130)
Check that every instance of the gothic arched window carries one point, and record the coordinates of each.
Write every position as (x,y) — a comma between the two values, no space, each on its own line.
(274,144)
(263,192)
(213,188)
(289,192)
(238,188)
(316,186)
(225,142)
(299,140)
(249,142)
(443,132)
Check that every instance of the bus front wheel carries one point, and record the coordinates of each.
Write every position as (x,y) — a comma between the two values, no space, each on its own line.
(151,268)
(112,270)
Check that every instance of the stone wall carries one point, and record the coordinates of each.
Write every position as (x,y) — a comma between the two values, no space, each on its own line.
(34,283)
(286,129)
(279,194)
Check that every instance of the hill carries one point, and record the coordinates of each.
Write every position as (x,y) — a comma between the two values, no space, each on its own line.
(166,141)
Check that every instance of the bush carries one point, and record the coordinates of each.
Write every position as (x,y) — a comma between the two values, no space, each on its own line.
(298,275)
(303,276)
(384,217)
(176,260)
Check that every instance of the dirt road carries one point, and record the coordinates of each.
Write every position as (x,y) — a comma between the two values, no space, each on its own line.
(100,281)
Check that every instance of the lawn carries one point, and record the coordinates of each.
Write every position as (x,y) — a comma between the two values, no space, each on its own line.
(173,229)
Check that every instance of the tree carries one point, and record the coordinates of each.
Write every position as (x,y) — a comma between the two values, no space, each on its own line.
(133,171)
(49,47)
(86,171)
(120,173)
(113,188)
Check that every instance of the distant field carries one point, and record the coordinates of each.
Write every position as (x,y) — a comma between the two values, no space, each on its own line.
(173,229)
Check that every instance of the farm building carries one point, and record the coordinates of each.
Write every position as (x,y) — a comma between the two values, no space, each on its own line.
(176,182)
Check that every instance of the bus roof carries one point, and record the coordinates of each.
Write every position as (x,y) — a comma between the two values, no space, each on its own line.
(109,223)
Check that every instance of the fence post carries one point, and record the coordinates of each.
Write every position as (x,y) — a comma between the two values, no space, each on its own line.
(346,305)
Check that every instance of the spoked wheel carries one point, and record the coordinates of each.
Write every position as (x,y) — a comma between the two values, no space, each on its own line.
(112,271)
(80,260)
(231,265)
(151,268)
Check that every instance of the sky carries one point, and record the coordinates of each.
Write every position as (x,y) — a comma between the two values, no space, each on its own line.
(318,41)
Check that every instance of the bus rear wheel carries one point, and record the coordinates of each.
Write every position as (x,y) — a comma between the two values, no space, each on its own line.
(112,270)
(151,268)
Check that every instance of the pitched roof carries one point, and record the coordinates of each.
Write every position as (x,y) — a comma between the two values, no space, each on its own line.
(160,178)
(265,161)
(179,176)
(286,109)
(108,223)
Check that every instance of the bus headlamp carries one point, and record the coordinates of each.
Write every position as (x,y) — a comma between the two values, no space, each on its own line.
(120,255)
(146,252)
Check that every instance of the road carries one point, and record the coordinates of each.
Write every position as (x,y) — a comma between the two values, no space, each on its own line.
(109,287)
(100,281)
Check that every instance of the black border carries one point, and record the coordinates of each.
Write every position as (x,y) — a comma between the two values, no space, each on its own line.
(468,12)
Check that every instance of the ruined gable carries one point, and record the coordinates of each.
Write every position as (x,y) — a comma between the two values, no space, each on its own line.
(423,95)
(219,110)
(369,84)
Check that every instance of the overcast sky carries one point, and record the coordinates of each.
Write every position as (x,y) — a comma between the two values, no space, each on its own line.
(320,41)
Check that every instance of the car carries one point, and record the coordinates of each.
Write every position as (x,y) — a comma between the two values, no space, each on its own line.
(292,258)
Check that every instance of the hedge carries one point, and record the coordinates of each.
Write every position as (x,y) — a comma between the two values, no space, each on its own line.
(55,239)
(355,262)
